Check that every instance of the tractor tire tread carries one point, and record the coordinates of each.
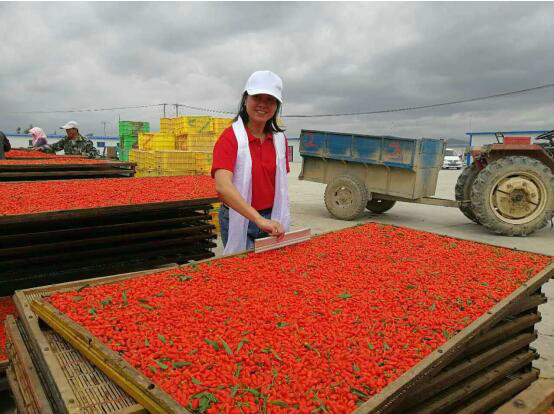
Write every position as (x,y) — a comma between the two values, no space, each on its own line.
(486,176)
(462,191)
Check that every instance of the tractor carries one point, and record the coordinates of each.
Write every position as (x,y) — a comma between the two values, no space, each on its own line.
(509,188)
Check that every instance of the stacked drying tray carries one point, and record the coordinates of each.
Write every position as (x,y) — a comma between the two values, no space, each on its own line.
(55,231)
(476,370)
(25,165)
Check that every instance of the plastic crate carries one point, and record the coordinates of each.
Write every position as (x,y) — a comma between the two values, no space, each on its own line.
(142,173)
(204,166)
(222,123)
(123,154)
(206,157)
(133,155)
(201,142)
(167,125)
(133,127)
(163,141)
(128,144)
(174,162)
(173,173)
(202,148)
(128,141)
(174,156)
(193,124)
(181,142)
(156,141)
(145,140)
(143,159)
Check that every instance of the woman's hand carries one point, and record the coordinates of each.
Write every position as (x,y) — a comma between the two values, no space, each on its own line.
(271,227)
(229,194)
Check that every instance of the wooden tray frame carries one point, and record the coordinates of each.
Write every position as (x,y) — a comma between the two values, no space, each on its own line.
(62,389)
(474,338)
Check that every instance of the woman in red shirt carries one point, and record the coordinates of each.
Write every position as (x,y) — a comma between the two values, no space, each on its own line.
(249,161)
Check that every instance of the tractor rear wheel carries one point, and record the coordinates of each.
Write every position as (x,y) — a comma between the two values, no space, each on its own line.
(346,197)
(514,196)
(462,190)
(378,205)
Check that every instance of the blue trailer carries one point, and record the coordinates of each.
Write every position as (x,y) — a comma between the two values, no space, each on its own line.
(373,172)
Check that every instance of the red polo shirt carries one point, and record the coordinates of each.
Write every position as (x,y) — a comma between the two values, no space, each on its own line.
(263,164)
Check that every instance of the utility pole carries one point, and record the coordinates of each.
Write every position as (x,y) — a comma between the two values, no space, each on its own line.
(104,122)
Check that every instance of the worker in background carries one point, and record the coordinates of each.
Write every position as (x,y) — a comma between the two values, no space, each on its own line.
(38,137)
(250,167)
(4,145)
(74,143)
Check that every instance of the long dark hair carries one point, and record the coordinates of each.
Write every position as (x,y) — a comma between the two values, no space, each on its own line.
(270,126)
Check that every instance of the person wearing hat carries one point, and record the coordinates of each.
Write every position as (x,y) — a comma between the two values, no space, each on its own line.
(4,145)
(74,143)
(250,166)
(39,138)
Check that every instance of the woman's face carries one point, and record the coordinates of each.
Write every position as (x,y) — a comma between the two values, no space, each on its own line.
(260,108)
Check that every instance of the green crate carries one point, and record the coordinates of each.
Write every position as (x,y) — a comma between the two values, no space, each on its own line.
(129,145)
(133,127)
(127,139)
(123,154)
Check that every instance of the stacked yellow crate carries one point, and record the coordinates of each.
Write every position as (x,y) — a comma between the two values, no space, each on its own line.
(173,162)
(145,140)
(167,125)
(156,141)
(133,156)
(184,146)
(220,124)
(181,142)
(215,216)
(203,163)
(193,124)
(203,142)
(145,162)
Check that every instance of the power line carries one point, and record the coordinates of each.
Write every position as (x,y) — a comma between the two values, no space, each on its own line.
(196,108)
(411,108)
(382,111)
(86,110)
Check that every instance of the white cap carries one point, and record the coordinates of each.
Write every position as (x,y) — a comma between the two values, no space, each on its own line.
(70,124)
(265,81)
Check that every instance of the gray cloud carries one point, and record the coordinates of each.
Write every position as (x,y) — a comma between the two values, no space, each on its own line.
(333,58)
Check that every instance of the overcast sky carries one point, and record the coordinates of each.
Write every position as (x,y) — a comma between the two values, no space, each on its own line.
(332,57)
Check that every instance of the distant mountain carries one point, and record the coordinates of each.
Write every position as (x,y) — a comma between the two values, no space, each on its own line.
(456,142)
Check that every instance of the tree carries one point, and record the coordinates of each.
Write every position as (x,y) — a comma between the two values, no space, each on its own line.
(28,129)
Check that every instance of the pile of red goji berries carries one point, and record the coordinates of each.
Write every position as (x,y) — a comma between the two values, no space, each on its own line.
(318,326)
(28,154)
(50,161)
(42,196)
(7,307)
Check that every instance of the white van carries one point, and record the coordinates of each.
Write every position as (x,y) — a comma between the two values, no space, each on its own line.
(451,160)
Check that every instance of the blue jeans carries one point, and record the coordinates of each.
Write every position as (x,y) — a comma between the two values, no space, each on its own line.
(253,233)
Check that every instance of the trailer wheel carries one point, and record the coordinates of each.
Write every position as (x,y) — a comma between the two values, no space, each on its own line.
(463,191)
(378,205)
(346,197)
(514,196)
